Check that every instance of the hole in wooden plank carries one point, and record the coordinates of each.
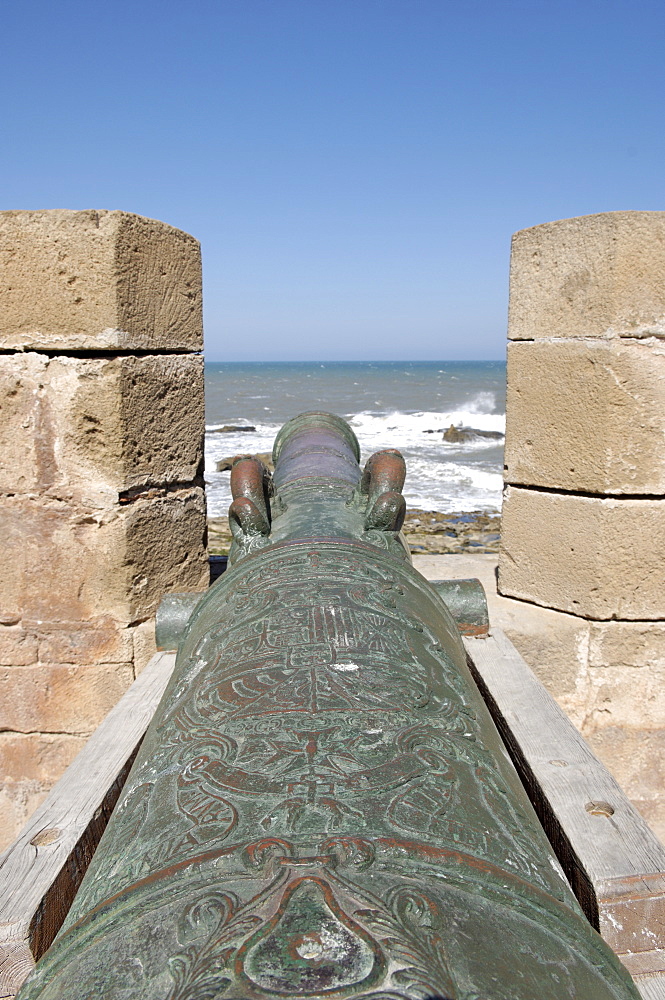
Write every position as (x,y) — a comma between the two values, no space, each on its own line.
(599,808)
(46,837)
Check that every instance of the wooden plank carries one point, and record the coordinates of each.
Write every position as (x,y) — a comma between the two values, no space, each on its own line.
(652,989)
(41,871)
(613,860)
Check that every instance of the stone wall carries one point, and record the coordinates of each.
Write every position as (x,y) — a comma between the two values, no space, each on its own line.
(102,508)
(583,525)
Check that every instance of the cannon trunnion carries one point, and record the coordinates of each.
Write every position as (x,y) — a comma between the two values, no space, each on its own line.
(322,806)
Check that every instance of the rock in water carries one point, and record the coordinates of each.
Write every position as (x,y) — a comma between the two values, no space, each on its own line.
(226,464)
(460,435)
(232,429)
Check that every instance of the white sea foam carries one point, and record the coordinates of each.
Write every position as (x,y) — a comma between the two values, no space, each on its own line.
(405,430)
(484,402)
(441,485)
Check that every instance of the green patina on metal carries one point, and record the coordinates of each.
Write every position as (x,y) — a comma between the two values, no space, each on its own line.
(322,806)
(466,601)
(172,620)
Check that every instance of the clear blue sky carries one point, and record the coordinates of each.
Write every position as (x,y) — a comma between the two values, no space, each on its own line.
(353,169)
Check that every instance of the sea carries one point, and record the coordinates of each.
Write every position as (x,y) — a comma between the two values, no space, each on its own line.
(406,405)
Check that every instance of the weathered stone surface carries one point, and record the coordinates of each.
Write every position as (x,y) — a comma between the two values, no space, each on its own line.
(601,673)
(144,644)
(87,429)
(98,280)
(165,548)
(29,765)
(586,415)
(18,647)
(554,645)
(596,557)
(40,757)
(100,470)
(19,797)
(60,697)
(627,644)
(101,640)
(66,564)
(636,757)
(626,669)
(622,697)
(591,276)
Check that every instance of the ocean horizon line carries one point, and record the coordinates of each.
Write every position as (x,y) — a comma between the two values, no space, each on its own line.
(362,361)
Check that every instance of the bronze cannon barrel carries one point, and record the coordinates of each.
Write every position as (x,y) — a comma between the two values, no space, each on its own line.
(322,806)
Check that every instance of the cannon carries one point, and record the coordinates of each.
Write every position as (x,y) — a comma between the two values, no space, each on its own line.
(322,806)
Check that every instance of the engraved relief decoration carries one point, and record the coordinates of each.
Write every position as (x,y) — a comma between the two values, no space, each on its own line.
(341,713)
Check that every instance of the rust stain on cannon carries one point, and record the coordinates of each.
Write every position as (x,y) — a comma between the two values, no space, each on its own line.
(322,806)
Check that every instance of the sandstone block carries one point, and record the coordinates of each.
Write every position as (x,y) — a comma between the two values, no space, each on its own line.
(87,429)
(592,276)
(626,668)
(30,765)
(586,415)
(18,647)
(60,697)
(40,757)
(636,757)
(66,564)
(18,800)
(627,644)
(145,646)
(595,557)
(98,281)
(101,640)
(165,548)
(627,698)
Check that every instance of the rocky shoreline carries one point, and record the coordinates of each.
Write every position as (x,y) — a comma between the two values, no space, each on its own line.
(453,533)
(425,531)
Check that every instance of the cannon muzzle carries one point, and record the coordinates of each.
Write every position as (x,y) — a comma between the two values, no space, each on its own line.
(322,806)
